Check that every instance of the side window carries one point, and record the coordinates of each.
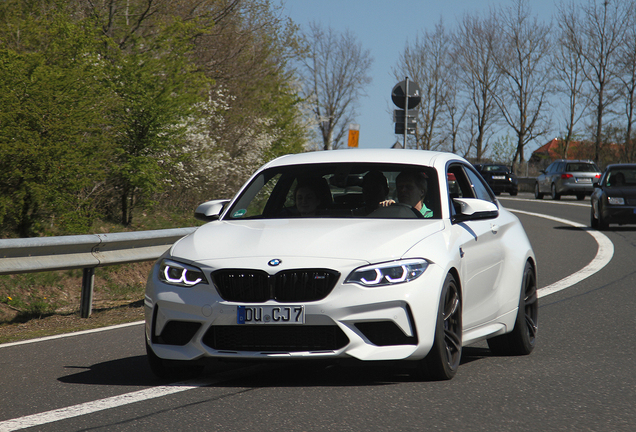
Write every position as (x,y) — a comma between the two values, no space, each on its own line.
(551,168)
(481,190)
(459,186)
(466,183)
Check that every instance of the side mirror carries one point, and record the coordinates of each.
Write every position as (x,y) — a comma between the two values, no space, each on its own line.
(542,171)
(474,209)
(210,210)
(597,185)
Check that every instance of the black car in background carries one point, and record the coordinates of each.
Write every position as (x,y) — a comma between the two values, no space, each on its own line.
(499,178)
(614,197)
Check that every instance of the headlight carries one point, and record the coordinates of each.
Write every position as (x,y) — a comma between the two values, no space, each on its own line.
(175,273)
(616,200)
(388,273)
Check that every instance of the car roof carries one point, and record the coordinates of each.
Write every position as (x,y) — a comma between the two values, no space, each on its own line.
(575,160)
(401,156)
(621,165)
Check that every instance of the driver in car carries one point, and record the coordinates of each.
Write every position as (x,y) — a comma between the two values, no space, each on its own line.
(411,187)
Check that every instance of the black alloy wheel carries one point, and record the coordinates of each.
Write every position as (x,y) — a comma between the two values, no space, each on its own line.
(443,360)
(522,339)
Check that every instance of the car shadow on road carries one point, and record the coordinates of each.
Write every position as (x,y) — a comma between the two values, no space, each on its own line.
(130,371)
(134,371)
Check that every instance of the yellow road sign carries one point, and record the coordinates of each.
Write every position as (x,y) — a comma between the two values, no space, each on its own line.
(354,133)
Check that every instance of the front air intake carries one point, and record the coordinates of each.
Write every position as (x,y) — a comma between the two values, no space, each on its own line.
(275,338)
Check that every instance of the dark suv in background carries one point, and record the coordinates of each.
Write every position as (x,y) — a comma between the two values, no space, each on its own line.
(567,177)
(499,178)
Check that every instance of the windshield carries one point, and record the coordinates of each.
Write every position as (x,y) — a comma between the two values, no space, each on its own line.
(338,190)
(495,168)
(581,167)
(623,177)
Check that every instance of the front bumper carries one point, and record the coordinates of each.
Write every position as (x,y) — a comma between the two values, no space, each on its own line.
(383,323)
(503,186)
(616,214)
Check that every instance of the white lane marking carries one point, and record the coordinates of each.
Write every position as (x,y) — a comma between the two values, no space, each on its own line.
(99,405)
(570,203)
(65,335)
(603,256)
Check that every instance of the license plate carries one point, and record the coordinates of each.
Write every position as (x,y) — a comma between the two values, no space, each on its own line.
(498,177)
(270,315)
(584,180)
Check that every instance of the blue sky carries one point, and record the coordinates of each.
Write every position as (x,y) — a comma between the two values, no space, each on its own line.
(384,27)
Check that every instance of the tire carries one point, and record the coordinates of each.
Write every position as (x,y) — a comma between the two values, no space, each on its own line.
(602,224)
(522,339)
(514,192)
(172,369)
(593,220)
(580,197)
(555,195)
(537,194)
(443,360)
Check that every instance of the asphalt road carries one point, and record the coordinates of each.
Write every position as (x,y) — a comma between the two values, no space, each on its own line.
(581,376)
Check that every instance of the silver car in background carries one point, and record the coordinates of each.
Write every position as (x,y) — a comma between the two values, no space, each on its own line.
(567,177)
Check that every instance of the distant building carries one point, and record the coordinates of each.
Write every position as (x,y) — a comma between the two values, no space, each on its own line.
(554,149)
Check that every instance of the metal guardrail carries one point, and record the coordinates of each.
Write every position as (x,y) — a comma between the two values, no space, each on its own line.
(86,252)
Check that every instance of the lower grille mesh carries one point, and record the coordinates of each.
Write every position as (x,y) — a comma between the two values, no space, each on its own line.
(275,338)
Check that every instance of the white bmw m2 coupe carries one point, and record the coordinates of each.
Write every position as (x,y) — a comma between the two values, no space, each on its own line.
(364,254)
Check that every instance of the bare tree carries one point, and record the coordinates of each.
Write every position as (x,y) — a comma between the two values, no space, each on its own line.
(455,113)
(521,56)
(569,80)
(627,75)
(479,75)
(597,35)
(427,62)
(336,70)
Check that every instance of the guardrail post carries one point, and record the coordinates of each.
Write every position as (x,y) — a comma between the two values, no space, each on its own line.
(86,301)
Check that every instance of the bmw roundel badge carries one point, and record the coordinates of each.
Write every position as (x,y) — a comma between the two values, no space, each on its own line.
(274,262)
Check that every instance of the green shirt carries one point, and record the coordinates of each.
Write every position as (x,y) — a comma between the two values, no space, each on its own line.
(426,212)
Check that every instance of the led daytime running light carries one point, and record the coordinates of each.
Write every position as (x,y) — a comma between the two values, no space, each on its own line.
(178,274)
(378,278)
(182,280)
(385,274)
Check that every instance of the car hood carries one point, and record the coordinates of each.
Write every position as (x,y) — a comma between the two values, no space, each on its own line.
(370,240)
(624,191)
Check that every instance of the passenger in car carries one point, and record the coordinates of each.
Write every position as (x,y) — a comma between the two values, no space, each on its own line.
(307,201)
(411,187)
(375,189)
(618,179)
